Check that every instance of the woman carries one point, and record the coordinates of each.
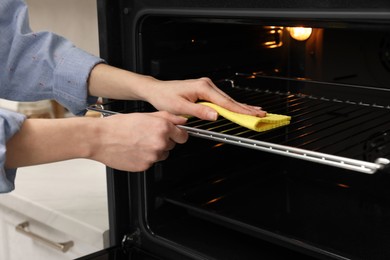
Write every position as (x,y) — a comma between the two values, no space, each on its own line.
(36,66)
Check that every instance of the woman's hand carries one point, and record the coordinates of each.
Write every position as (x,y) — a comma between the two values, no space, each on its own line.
(133,142)
(180,97)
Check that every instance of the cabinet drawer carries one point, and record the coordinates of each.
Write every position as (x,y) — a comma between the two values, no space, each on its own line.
(35,239)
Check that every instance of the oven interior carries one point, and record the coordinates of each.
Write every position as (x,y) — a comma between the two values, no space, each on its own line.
(225,201)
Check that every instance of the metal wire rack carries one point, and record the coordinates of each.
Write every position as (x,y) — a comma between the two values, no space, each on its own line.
(342,133)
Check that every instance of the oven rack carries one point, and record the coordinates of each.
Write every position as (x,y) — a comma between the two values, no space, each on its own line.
(351,134)
(312,156)
(317,157)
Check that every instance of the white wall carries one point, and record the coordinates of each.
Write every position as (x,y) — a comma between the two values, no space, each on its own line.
(73,19)
(76,20)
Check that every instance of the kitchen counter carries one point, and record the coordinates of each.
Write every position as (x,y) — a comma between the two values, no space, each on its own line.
(69,196)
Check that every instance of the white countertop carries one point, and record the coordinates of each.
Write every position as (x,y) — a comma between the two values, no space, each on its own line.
(70,196)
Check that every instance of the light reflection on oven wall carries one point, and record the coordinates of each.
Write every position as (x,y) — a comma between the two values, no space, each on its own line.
(274,37)
(305,52)
(314,55)
(348,56)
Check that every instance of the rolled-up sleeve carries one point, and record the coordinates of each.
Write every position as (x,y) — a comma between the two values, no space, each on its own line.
(41,65)
(10,124)
(36,66)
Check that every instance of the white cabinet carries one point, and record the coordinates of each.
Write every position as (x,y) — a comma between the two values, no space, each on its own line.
(64,201)
(18,246)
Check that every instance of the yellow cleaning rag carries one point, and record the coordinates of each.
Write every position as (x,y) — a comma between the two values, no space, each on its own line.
(259,124)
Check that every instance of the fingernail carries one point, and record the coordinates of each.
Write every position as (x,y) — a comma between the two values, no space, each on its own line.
(212,115)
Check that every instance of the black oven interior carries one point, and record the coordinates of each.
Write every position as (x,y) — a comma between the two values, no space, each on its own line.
(222,201)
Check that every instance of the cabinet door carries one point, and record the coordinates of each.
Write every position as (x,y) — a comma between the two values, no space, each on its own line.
(19,246)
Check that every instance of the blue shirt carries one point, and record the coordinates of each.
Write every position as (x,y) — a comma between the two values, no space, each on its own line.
(36,66)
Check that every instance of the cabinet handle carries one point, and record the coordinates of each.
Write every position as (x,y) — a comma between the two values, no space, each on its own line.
(63,247)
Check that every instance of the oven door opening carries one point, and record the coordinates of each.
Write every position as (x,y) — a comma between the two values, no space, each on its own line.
(222,200)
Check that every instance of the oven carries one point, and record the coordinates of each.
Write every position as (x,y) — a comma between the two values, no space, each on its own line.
(318,188)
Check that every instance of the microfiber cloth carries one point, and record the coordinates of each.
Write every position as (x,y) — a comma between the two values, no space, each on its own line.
(259,124)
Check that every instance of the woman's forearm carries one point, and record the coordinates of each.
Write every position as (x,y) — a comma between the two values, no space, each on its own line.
(50,140)
(110,82)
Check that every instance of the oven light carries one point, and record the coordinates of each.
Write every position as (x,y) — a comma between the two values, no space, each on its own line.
(300,33)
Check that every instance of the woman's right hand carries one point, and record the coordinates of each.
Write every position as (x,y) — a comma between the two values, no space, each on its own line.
(133,142)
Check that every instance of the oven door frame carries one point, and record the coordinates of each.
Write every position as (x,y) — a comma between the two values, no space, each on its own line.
(118,23)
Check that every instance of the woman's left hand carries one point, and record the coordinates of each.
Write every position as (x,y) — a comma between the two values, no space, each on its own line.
(180,97)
